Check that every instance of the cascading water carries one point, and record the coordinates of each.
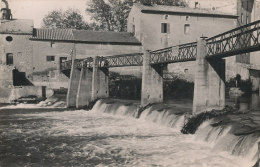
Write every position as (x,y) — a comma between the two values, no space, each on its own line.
(110,135)
(220,138)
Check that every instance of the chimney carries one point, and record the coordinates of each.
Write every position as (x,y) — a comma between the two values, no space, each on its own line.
(196,5)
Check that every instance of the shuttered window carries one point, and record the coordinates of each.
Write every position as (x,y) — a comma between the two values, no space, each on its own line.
(9,59)
(186,29)
(165,28)
(50,58)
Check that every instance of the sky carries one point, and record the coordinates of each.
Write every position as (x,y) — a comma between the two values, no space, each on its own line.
(37,9)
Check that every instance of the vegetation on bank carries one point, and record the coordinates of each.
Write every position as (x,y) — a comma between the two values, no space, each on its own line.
(194,122)
(244,85)
(129,87)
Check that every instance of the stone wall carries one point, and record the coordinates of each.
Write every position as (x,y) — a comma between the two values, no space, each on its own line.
(148,31)
(21,48)
(25,91)
(6,82)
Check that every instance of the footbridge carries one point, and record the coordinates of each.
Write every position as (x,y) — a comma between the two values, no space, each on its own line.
(89,77)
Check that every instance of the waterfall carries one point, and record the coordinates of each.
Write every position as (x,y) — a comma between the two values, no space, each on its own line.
(220,138)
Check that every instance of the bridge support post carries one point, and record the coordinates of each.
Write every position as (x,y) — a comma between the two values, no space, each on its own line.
(152,81)
(209,86)
(84,88)
(99,81)
(73,84)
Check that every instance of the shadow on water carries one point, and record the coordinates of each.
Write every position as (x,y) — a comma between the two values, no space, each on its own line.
(244,102)
(27,140)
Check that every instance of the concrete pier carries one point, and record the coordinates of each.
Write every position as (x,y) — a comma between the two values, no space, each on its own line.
(152,81)
(84,88)
(258,154)
(73,84)
(99,81)
(209,86)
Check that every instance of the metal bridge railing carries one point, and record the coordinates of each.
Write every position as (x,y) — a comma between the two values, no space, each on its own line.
(179,53)
(66,65)
(133,59)
(236,41)
(85,63)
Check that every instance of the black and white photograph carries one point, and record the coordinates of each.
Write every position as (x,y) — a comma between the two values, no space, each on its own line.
(130,83)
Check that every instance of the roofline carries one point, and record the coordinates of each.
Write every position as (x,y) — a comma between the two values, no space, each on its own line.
(190,13)
(88,42)
(16,33)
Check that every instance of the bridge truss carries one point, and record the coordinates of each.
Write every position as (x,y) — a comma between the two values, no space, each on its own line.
(180,53)
(240,40)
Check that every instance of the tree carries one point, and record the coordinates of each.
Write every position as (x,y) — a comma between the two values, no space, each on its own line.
(101,13)
(71,18)
(111,15)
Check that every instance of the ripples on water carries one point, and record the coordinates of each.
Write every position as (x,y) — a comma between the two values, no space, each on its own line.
(95,138)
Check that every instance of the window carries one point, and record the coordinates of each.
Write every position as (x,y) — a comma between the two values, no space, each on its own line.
(19,54)
(9,59)
(50,58)
(133,29)
(186,29)
(166,16)
(63,59)
(52,44)
(242,17)
(52,74)
(9,38)
(133,19)
(187,18)
(247,19)
(165,28)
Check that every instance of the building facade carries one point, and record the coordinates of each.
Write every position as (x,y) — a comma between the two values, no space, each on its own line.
(32,57)
(160,26)
(53,46)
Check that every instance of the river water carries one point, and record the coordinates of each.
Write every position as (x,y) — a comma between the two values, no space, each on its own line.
(102,137)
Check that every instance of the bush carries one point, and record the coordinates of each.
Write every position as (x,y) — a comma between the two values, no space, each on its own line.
(194,122)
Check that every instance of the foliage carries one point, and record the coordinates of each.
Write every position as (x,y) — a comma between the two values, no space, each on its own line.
(178,88)
(70,18)
(194,122)
(111,15)
(244,85)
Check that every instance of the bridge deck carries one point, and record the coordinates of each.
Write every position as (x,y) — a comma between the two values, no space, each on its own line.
(236,41)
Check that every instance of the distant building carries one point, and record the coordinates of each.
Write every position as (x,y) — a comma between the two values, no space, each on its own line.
(246,65)
(39,52)
(160,26)
(53,46)
(30,56)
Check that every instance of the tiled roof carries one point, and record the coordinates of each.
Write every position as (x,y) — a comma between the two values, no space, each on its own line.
(104,36)
(52,34)
(84,36)
(180,10)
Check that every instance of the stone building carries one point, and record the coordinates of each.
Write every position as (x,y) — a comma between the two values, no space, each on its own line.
(53,46)
(159,26)
(246,65)
(32,57)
